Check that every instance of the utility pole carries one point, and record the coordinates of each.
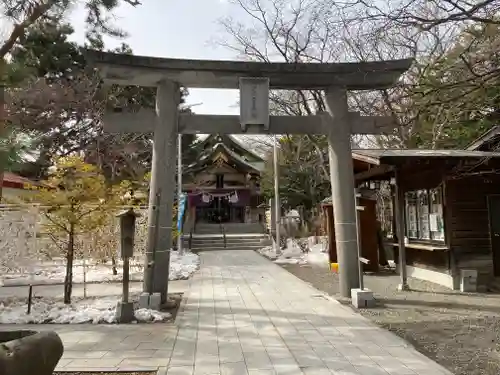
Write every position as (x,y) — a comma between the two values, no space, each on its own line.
(179,190)
(277,194)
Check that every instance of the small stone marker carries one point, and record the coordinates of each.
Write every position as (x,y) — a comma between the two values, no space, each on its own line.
(468,281)
(362,298)
(155,301)
(150,301)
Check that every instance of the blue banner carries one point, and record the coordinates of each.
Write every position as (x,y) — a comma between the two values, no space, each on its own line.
(180,213)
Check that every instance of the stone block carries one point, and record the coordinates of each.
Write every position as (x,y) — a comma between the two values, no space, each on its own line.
(155,301)
(362,298)
(125,312)
(468,280)
(403,287)
(144,301)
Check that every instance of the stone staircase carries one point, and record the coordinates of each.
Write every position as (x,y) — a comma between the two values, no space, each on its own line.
(238,236)
(229,228)
(214,242)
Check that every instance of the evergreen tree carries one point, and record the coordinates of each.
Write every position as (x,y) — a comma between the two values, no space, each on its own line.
(303,172)
(50,58)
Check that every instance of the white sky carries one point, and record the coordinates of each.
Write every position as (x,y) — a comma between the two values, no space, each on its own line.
(176,29)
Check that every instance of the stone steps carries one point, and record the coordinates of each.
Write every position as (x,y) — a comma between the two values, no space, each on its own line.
(233,242)
(229,228)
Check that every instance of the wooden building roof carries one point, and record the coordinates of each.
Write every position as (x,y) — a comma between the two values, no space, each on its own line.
(487,141)
(233,144)
(220,152)
(15,181)
(395,156)
(380,164)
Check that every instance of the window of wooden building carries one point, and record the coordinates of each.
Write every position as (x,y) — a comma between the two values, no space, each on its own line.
(424,215)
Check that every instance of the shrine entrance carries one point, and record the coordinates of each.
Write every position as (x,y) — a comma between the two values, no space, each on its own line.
(221,208)
(254,80)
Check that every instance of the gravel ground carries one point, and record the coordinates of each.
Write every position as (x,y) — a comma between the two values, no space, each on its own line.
(459,331)
(104,373)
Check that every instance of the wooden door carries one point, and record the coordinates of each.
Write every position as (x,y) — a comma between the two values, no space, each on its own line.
(494,216)
(368,235)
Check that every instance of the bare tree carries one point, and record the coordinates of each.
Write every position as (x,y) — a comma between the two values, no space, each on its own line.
(453,95)
(430,14)
(282,31)
(327,31)
(22,14)
(365,41)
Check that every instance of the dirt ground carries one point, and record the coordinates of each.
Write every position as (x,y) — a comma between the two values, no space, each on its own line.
(459,331)
(104,373)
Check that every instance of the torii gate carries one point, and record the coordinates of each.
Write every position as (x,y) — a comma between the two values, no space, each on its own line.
(254,79)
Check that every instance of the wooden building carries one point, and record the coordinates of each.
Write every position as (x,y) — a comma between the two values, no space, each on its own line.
(488,141)
(16,189)
(447,210)
(368,232)
(223,185)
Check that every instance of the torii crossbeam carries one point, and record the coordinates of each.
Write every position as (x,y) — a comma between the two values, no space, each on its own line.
(168,75)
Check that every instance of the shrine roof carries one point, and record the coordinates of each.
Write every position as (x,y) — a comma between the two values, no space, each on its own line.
(148,71)
(15,181)
(229,140)
(207,158)
(488,137)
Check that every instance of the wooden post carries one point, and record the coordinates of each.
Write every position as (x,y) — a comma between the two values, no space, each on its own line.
(3,126)
(400,229)
(125,309)
(126,278)
(330,230)
(359,209)
(84,265)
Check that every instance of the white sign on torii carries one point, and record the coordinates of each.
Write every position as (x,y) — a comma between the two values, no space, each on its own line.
(254,103)
(254,80)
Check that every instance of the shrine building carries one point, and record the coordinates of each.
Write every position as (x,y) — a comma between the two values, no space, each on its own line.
(223,185)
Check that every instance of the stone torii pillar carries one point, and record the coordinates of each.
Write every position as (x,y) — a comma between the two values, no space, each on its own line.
(339,124)
(338,131)
(161,192)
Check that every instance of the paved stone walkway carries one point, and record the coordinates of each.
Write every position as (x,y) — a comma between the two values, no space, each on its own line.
(244,315)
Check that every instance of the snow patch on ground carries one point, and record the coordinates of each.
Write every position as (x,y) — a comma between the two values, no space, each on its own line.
(268,252)
(153,316)
(183,266)
(292,255)
(91,310)
(53,272)
(317,252)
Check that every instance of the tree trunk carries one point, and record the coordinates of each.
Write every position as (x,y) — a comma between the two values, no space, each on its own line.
(34,354)
(113,263)
(68,280)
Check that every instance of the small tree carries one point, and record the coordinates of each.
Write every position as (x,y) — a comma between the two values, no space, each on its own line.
(75,202)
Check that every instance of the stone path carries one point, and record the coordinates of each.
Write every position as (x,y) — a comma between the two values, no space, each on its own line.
(244,315)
